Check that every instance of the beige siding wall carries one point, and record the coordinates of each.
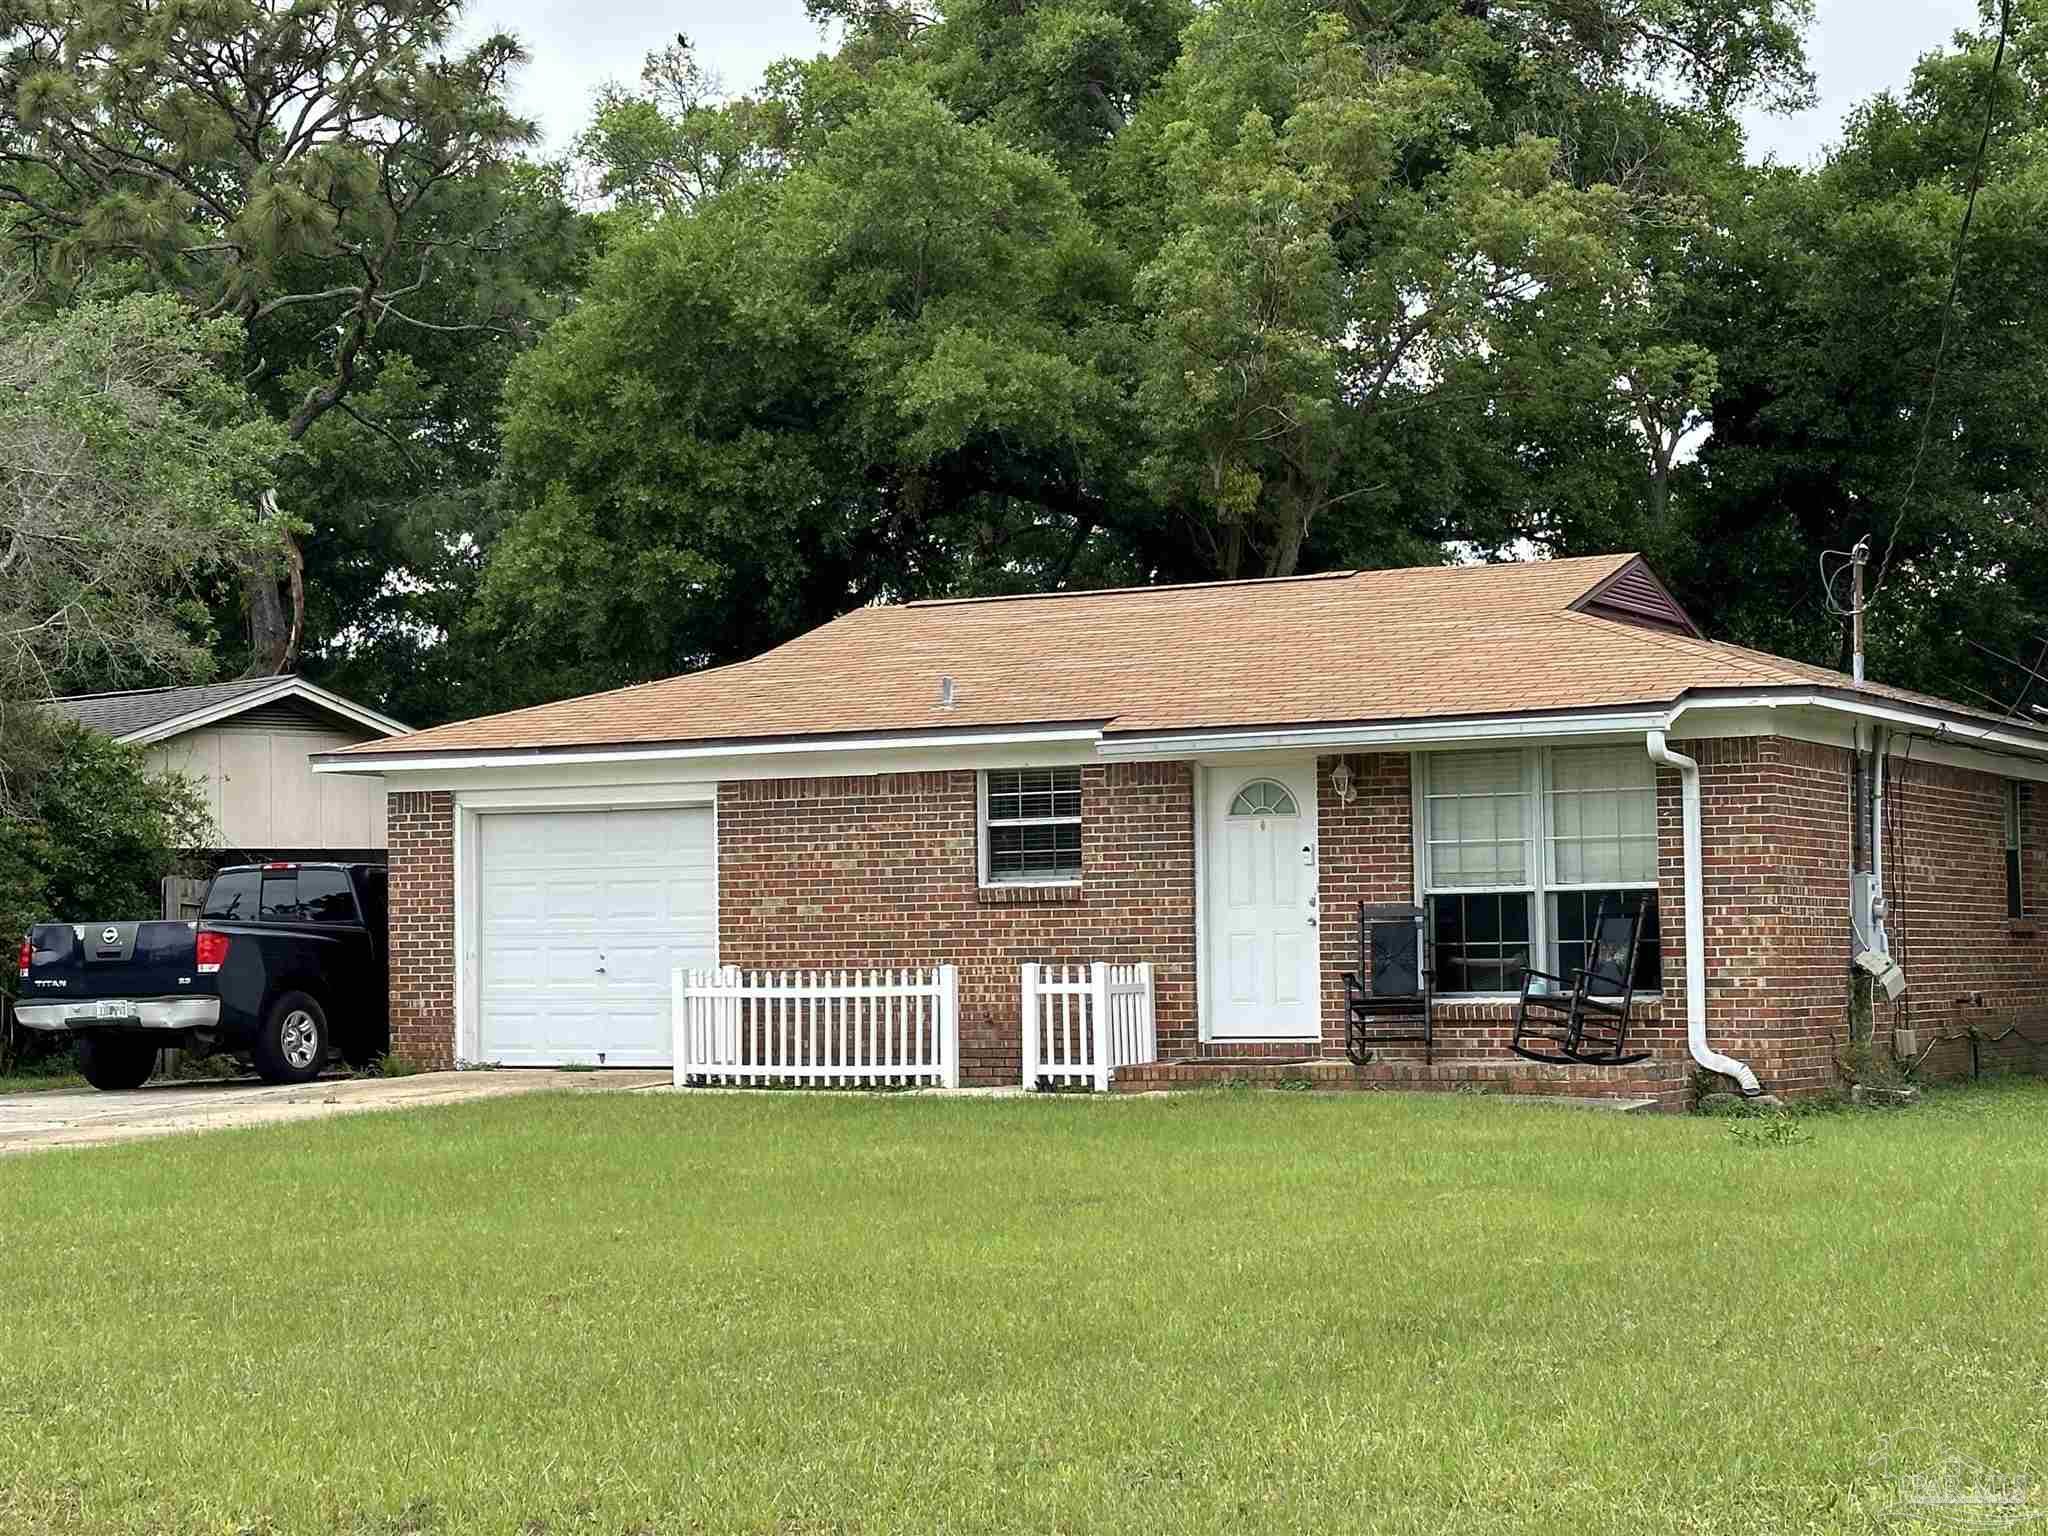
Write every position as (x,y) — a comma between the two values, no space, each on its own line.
(263,792)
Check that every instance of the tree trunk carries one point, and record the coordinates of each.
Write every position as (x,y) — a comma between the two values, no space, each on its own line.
(1287,541)
(270,624)
(276,626)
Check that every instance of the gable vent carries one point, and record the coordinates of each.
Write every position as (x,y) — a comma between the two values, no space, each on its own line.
(1633,595)
(283,717)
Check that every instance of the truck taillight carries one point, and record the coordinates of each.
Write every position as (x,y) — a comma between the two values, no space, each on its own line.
(27,951)
(213,948)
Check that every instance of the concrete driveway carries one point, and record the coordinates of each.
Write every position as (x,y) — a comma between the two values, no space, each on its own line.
(86,1117)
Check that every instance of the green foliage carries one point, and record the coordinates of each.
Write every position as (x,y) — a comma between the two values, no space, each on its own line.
(1819,300)
(865,378)
(89,829)
(1769,1131)
(1055,293)
(1001,298)
(348,191)
(130,466)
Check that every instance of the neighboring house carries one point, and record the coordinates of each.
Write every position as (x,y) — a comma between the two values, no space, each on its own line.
(249,744)
(1210,779)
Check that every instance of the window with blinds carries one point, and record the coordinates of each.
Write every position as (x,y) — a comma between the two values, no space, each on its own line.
(1520,848)
(1031,826)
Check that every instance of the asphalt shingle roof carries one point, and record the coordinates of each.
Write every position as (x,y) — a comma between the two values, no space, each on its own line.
(138,709)
(1388,645)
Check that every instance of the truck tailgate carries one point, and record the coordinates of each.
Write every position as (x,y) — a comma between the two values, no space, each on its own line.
(77,962)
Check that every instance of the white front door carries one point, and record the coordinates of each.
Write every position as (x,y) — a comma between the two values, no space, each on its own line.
(1259,826)
(583,916)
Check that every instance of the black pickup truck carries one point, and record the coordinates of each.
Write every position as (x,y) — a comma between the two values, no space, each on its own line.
(287,964)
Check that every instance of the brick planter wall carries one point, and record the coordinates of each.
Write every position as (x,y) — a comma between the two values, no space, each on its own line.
(422,932)
(881,870)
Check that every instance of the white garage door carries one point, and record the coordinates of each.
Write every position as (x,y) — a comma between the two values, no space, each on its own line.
(584,914)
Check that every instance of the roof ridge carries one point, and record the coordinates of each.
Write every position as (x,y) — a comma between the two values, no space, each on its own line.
(1163,586)
(136,693)
(1615,559)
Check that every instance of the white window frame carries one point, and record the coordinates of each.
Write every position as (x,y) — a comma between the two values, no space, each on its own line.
(1538,860)
(1027,882)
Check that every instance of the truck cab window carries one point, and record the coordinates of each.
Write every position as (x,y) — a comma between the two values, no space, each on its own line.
(232,897)
(324,896)
(281,897)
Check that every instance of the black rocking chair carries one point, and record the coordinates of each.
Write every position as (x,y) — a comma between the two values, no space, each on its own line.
(1583,1020)
(1393,952)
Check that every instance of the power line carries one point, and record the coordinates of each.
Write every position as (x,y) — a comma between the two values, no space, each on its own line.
(1955,277)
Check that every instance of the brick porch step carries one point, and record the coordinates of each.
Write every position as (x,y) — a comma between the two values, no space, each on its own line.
(1667,1083)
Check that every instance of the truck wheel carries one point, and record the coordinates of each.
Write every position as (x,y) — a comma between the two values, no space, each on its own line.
(291,1047)
(116,1061)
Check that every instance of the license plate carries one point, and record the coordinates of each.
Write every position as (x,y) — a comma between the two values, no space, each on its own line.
(112,1008)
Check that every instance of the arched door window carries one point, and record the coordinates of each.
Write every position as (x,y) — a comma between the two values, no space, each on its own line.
(1264,797)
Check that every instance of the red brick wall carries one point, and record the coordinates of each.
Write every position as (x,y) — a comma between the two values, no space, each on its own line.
(422,933)
(1775,833)
(881,870)
(1968,966)
(1368,854)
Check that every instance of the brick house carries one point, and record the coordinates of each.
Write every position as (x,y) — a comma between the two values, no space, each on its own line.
(1211,779)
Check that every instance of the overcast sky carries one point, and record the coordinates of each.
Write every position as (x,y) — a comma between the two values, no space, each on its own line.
(1857,47)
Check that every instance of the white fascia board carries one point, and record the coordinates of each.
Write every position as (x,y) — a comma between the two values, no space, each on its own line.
(758,759)
(1404,734)
(286,688)
(1955,733)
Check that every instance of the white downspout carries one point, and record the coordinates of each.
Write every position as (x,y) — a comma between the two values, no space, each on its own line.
(1696,924)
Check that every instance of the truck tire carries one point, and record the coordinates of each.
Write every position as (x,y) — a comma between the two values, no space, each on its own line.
(112,1062)
(291,1047)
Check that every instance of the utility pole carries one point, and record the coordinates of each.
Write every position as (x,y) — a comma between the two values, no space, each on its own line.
(1858,558)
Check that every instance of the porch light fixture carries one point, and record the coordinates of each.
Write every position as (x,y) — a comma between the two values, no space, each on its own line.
(1340,781)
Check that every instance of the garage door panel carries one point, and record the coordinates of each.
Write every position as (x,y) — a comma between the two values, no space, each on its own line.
(635,901)
(584,915)
(575,839)
(515,903)
(573,901)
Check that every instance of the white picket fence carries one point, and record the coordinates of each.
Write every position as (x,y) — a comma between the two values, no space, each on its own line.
(848,1028)
(1083,1022)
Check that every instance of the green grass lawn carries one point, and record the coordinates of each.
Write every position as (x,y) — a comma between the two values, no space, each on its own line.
(39,1082)
(1229,1312)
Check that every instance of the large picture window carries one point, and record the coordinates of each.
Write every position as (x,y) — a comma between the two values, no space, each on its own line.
(1031,826)
(1518,850)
